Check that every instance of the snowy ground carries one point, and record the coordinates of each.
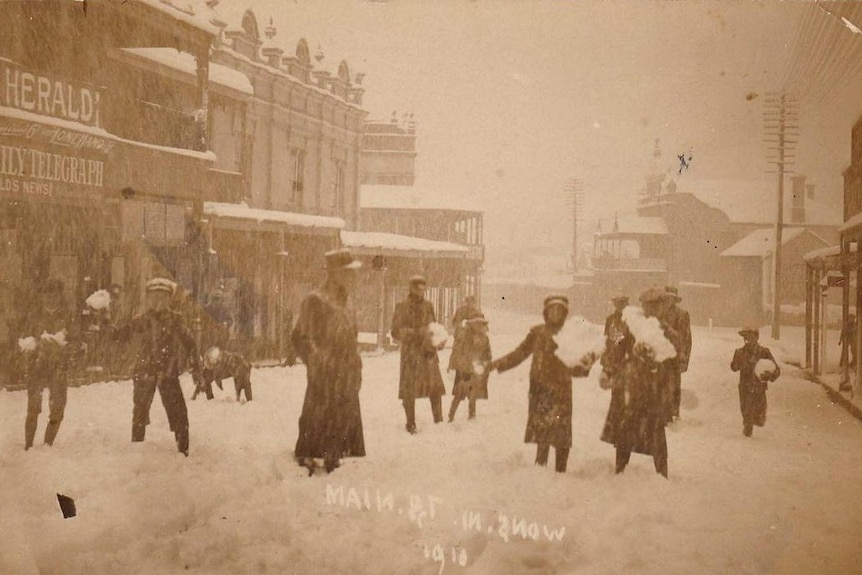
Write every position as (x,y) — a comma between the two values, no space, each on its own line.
(784,501)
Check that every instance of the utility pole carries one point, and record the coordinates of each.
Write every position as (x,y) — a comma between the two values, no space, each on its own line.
(573,189)
(781,134)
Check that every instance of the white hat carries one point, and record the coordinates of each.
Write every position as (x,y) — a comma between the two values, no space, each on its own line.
(161,284)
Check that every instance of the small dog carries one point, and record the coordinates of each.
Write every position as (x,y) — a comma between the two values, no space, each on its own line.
(219,365)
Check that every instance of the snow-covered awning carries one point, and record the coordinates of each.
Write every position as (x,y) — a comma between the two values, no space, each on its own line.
(226,213)
(853,222)
(197,13)
(394,245)
(184,62)
(760,243)
(830,257)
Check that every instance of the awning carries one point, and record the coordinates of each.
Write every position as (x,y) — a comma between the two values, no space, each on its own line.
(185,63)
(394,245)
(242,217)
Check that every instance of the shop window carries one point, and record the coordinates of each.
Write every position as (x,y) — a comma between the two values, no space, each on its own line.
(298,181)
(339,187)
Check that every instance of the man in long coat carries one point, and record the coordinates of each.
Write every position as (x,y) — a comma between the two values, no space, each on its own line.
(52,335)
(325,338)
(752,388)
(639,395)
(165,342)
(549,420)
(420,367)
(679,320)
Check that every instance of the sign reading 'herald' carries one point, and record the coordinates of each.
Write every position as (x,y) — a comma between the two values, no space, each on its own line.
(41,94)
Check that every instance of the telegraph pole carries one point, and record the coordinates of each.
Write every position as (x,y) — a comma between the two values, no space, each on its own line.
(573,189)
(781,134)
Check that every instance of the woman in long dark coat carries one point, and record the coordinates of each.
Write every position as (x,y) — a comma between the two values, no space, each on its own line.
(752,388)
(549,421)
(639,394)
(325,338)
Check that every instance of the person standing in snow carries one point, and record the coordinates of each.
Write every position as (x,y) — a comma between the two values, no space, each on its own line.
(847,341)
(465,311)
(753,385)
(639,394)
(325,338)
(46,343)
(549,420)
(679,320)
(471,356)
(165,341)
(617,337)
(420,367)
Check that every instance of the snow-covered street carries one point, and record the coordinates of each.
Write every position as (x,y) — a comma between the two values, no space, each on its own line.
(456,498)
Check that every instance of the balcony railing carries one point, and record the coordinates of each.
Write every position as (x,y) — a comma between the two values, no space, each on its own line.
(630,264)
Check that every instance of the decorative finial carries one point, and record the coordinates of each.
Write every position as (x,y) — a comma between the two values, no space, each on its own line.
(318,54)
(657,150)
(270,30)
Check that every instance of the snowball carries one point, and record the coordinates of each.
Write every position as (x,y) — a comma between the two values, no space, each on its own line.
(478,368)
(27,344)
(647,331)
(439,335)
(212,357)
(578,340)
(764,368)
(58,338)
(99,300)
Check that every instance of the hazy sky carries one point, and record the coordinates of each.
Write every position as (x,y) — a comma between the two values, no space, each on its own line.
(513,97)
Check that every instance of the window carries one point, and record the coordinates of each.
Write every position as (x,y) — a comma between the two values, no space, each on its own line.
(298,181)
(339,186)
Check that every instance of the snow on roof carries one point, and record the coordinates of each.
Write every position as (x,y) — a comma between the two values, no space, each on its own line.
(194,12)
(754,201)
(410,198)
(853,222)
(379,240)
(634,225)
(760,242)
(243,212)
(827,252)
(185,62)
(699,285)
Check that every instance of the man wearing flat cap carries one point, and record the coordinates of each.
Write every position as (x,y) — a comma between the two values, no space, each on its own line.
(164,341)
(753,385)
(549,419)
(679,320)
(325,339)
(46,343)
(420,367)
(617,336)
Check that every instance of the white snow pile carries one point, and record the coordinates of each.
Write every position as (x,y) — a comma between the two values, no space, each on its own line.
(99,300)
(764,368)
(479,367)
(439,335)
(579,341)
(647,331)
(58,338)
(27,344)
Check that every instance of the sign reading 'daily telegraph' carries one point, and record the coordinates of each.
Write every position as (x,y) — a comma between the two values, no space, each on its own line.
(41,94)
(30,171)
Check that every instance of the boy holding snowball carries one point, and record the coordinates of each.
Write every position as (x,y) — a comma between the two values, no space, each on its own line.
(756,368)
(549,421)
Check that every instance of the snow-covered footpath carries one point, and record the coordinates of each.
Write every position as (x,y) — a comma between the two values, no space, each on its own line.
(456,498)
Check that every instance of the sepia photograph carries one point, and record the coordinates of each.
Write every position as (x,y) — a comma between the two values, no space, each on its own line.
(426,287)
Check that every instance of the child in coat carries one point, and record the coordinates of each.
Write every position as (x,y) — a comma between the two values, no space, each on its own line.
(756,368)
(471,356)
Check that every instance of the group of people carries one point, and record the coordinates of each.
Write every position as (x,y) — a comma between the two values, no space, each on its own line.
(645,391)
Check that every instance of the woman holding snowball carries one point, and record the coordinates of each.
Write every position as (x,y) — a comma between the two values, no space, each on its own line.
(756,368)
(549,421)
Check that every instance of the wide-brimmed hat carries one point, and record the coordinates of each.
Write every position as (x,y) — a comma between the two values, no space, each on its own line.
(478,319)
(674,291)
(418,279)
(341,260)
(620,298)
(654,295)
(749,331)
(556,299)
(161,284)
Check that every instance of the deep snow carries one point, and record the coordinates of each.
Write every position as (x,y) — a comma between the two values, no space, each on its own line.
(784,501)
